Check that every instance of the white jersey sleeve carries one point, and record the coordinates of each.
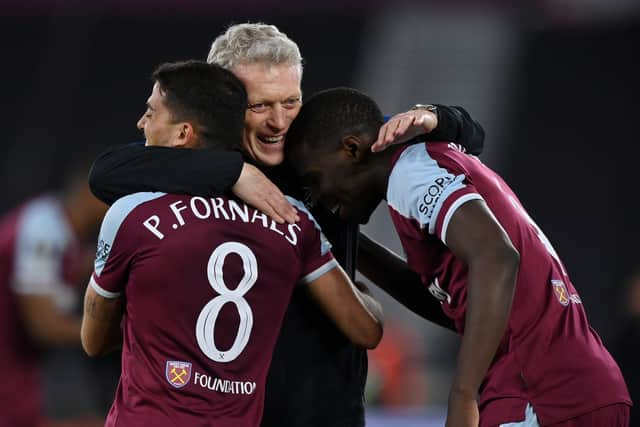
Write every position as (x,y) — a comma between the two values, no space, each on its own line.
(43,235)
(42,239)
(419,187)
(115,249)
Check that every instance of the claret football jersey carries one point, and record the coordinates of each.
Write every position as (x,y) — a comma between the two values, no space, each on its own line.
(38,256)
(206,283)
(549,355)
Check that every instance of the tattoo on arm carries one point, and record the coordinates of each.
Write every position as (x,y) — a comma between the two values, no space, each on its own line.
(90,307)
(101,311)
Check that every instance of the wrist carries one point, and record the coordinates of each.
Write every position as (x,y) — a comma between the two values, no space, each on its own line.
(432,111)
(462,391)
(237,168)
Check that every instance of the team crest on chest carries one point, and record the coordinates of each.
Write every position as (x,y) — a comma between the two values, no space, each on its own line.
(561,292)
(178,373)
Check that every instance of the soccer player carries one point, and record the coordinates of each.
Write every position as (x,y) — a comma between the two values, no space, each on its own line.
(42,263)
(317,376)
(526,348)
(204,282)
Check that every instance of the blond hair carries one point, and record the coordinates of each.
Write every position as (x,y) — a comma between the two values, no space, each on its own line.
(249,43)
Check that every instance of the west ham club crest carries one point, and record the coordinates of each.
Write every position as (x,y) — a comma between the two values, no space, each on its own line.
(562,294)
(178,373)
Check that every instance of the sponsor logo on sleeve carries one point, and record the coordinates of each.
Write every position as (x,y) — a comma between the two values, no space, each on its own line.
(103,251)
(178,373)
(431,195)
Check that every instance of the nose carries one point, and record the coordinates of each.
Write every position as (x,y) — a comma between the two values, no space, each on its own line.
(277,118)
(141,122)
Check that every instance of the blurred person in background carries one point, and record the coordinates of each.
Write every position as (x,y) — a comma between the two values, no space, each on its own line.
(44,256)
(625,346)
(317,376)
(527,350)
(155,269)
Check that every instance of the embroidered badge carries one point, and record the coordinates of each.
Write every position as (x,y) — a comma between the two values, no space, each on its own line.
(561,292)
(178,373)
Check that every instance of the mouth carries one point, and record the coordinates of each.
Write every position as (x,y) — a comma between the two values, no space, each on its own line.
(271,140)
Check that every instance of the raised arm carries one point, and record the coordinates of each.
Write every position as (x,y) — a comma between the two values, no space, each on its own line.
(130,168)
(355,312)
(127,169)
(432,123)
(392,274)
(475,236)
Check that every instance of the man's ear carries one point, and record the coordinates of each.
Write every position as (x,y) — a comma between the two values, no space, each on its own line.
(353,147)
(186,137)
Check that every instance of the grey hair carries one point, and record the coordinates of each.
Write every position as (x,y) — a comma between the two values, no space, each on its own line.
(249,43)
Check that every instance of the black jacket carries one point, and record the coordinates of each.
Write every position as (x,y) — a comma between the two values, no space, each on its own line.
(317,376)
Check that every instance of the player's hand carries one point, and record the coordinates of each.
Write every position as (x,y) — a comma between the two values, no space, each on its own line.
(257,190)
(405,126)
(462,410)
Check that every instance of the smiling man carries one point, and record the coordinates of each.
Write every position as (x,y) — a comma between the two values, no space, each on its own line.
(274,101)
(527,349)
(201,285)
(317,375)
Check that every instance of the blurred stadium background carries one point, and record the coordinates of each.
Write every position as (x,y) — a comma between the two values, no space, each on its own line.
(555,83)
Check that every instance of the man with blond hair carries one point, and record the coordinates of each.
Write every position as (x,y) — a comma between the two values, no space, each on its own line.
(200,303)
(317,376)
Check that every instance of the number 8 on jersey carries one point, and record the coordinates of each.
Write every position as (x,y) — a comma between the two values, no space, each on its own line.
(205,326)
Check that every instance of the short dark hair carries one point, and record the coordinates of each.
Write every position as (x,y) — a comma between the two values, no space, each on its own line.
(213,99)
(330,114)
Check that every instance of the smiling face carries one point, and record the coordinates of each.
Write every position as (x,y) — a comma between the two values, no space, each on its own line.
(157,123)
(274,98)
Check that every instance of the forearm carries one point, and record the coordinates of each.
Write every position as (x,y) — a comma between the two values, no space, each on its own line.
(127,169)
(355,312)
(110,340)
(45,324)
(391,273)
(364,330)
(58,330)
(101,331)
(101,342)
(455,124)
(492,281)
(371,305)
